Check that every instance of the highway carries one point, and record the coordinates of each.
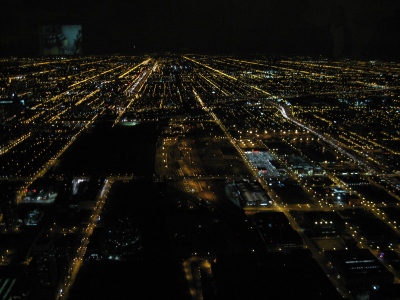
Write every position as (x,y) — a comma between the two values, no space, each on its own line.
(77,262)
(287,116)
(136,86)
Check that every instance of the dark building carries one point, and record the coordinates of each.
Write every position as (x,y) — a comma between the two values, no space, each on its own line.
(321,223)
(273,275)
(359,269)
(277,232)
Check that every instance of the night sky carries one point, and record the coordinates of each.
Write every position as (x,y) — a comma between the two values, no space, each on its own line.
(334,28)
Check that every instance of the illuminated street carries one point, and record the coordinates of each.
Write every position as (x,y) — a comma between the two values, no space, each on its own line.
(216,166)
